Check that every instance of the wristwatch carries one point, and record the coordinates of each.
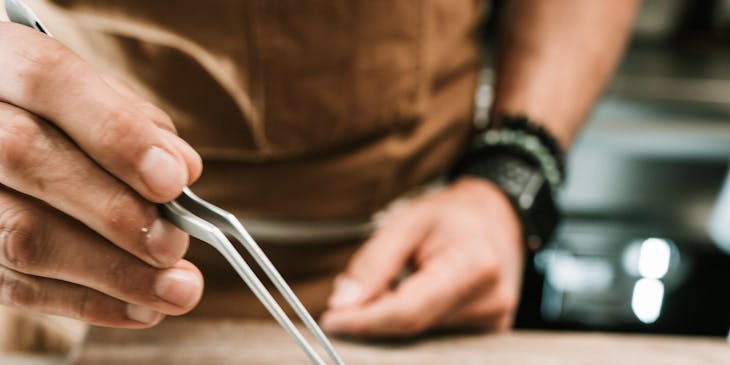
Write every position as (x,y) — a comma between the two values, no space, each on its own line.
(526,187)
(526,163)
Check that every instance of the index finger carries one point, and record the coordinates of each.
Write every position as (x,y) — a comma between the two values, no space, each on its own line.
(42,76)
(413,306)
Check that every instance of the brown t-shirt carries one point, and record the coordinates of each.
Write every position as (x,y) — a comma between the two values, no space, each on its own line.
(312,110)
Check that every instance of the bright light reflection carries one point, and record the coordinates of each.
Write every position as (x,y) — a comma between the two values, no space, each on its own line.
(570,274)
(719,229)
(654,258)
(646,301)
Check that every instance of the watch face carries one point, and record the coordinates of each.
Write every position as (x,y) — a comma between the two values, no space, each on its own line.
(521,179)
(517,178)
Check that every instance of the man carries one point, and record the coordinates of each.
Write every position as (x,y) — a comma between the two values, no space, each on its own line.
(311,116)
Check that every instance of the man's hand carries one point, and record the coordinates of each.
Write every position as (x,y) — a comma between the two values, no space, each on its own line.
(464,245)
(83,159)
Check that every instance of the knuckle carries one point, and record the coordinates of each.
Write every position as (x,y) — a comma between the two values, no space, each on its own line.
(17,292)
(360,265)
(413,327)
(507,301)
(20,131)
(85,307)
(40,59)
(503,324)
(125,209)
(89,306)
(117,126)
(22,237)
(409,324)
(44,51)
(92,307)
(486,267)
(511,302)
(158,116)
(128,279)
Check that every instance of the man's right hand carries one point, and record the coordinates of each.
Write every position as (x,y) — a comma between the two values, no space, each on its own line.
(83,160)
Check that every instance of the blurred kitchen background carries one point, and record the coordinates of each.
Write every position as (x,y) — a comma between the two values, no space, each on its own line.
(641,244)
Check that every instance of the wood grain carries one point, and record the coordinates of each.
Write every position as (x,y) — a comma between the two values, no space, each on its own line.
(184,342)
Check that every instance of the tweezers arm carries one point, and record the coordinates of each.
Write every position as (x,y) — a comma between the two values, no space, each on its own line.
(232,226)
(182,218)
(209,233)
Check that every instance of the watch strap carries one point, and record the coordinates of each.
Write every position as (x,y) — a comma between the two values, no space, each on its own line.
(525,186)
(526,162)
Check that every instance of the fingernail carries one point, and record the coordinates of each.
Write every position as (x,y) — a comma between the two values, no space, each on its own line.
(179,287)
(165,243)
(195,164)
(194,161)
(142,314)
(330,324)
(162,173)
(347,292)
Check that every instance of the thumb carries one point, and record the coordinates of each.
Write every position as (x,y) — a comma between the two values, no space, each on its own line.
(382,258)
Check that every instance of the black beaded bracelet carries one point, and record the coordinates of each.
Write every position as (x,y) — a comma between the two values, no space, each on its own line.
(522,123)
(522,138)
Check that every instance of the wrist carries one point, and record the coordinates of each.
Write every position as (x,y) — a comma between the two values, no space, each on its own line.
(493,205)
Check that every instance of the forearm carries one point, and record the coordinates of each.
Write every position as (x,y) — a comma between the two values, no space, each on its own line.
(555,57)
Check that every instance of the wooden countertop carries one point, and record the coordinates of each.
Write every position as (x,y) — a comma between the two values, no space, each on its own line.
(184,342)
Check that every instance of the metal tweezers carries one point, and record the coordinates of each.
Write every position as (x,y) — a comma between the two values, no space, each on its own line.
(211,224)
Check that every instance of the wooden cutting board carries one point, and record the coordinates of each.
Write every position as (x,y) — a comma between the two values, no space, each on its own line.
(188,342)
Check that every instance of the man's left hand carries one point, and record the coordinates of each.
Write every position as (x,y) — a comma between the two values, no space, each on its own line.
(463,247)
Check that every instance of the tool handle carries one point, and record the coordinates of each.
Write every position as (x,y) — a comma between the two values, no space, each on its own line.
(19,12)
